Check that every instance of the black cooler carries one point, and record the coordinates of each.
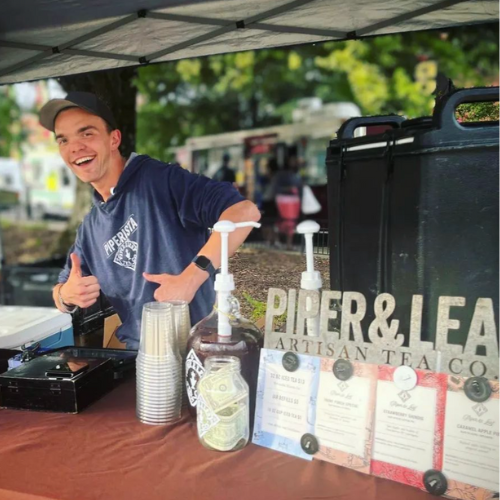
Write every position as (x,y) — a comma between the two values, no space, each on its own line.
(414,210)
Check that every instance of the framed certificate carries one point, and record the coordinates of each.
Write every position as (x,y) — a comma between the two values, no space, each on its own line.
(345,407)
(470,449)
(285,407)
(409,424)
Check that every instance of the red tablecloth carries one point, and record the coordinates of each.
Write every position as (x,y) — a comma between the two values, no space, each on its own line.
(106,453)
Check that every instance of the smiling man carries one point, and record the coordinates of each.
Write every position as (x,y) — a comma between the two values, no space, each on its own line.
(145,238)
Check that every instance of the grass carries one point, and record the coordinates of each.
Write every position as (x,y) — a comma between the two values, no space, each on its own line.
(259,309)
(27,226)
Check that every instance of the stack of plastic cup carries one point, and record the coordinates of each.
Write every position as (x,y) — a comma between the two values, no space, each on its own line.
(182,320)
(158,367)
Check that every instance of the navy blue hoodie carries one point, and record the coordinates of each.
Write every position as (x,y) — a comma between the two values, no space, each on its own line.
(155,221)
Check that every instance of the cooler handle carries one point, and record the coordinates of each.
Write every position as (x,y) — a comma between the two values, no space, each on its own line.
(346,131)
(444,111)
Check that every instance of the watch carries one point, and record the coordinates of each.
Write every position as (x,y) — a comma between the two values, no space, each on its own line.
(205,264)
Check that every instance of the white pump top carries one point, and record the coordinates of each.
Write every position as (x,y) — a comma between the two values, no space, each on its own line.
(224,282)
(311,279)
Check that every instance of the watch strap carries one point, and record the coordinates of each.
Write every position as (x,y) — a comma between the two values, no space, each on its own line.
(205,264)
(64,307)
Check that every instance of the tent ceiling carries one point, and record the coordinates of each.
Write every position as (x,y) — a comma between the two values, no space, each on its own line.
(61,37)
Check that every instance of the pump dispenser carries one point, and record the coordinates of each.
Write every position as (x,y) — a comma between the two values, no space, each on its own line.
(311,279)
(224,282)
(224,332)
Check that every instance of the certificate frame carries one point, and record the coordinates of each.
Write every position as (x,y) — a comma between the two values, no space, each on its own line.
(405,475)
(360,463)
(459,489)
(272,361)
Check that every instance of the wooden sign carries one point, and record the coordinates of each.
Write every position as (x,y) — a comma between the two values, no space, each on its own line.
(386,341)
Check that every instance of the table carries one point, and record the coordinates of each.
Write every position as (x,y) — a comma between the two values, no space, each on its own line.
(106,453)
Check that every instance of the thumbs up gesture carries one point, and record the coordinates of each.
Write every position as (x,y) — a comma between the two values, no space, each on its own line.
(79,290)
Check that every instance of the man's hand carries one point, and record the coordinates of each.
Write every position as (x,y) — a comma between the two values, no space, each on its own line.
(78,290)
(185,285)
(180,287)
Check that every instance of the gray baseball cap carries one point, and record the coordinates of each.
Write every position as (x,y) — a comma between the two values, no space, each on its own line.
(84,100)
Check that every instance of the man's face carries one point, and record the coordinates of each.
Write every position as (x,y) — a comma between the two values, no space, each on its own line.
(85,144)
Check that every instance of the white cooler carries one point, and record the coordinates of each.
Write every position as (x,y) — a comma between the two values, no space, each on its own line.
(21,325)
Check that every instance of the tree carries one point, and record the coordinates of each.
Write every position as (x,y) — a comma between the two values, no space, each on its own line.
(242,90)
(116,89)
(11,134)
(235,91)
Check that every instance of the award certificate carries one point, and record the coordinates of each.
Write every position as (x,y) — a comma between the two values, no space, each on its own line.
(470,449)
(285,408)
(409,423)
(344,415)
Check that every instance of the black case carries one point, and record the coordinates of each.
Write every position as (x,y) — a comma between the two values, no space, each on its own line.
(27,387)
(123,359)
(415,211)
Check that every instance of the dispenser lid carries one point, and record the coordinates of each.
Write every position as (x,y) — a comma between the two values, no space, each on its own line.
(308,226)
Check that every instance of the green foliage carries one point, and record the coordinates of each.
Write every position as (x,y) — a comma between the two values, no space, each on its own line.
(477,112)
(386,74)
(11,133)
(6,224)
(259,309)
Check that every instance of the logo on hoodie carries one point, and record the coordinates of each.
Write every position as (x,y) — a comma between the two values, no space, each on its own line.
(122,247)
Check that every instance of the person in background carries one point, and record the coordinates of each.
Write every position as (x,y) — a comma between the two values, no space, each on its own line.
(287,191)
(225,173)
(146,236)
(269,210)
(268,194)
(287,180)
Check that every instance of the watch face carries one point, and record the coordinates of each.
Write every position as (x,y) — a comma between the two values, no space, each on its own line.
(202,261)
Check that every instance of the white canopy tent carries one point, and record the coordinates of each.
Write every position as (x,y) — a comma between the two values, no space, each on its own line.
(62,37)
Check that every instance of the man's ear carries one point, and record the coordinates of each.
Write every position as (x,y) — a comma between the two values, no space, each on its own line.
(116,139)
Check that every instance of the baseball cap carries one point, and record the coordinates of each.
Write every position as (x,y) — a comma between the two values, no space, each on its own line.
(84,100)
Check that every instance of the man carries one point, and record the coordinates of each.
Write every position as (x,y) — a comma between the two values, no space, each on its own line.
(225,173)
(287,187)
(145,237)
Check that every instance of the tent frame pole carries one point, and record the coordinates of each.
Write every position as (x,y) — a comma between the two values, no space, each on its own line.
(405,17)
(61,48)
(228,27)
(223,26)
